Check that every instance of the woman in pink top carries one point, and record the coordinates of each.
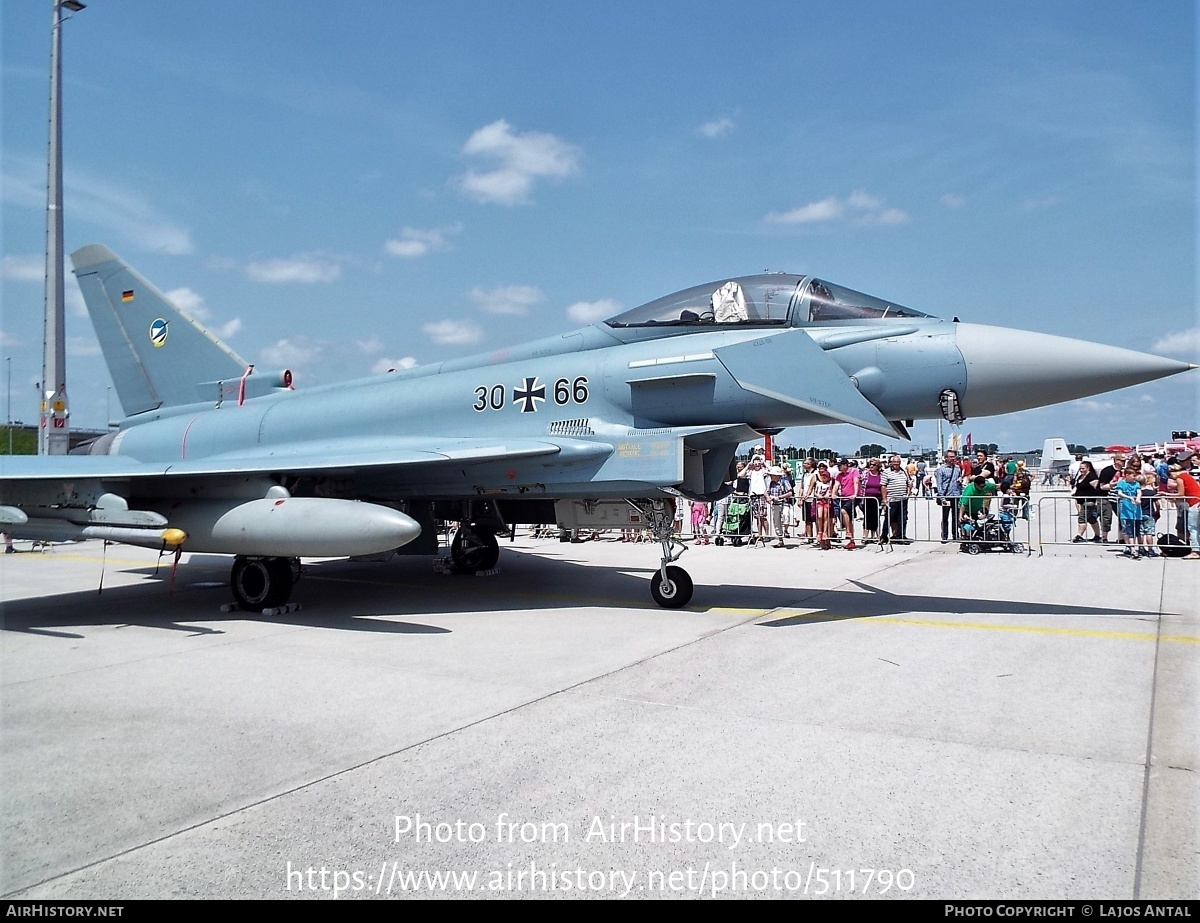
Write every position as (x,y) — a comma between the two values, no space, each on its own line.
(848,492)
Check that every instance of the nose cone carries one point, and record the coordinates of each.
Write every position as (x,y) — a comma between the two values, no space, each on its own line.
(1010,370)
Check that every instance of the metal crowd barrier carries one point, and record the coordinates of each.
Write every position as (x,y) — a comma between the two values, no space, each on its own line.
(1002,523)
(1057,518)
(1008,523)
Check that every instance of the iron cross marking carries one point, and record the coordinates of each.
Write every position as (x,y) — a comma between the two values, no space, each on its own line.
(529,395)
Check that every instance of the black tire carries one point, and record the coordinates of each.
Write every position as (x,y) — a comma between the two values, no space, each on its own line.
(737,543)
(679,588)
(261,583)
(972,548)
(474,551)
(719,541)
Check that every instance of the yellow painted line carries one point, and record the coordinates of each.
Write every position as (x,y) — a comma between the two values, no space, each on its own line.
(1039,630)
(52,556)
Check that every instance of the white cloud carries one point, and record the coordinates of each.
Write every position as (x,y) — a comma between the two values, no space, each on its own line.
(507,299)
(291,352)
(1030,205)
(861,199)
(24,267)
(228,329)
(588,312)
(384,366)
(1097,406)
(860,207)
(189,301)
(370,347)
(717,128)
(453,332)
(888,216)
(417,242)
(951,200)
(7,339)
(304,268)
(97,202)
(825,210)
(1179,343)
(522,159)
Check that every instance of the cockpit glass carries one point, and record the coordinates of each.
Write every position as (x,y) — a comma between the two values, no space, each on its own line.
(748,301)
(827,301)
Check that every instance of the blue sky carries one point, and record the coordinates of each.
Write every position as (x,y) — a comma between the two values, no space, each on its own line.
(342,187)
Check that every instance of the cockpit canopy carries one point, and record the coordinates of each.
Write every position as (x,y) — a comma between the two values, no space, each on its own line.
(765,300)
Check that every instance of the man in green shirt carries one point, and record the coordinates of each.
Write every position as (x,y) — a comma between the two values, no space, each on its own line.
(976,497)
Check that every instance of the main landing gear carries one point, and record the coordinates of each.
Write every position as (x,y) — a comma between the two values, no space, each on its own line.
(671,587)
(474,549)
(262,583)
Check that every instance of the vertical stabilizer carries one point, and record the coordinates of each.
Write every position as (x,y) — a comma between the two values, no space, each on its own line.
(1055,454)
(157,354)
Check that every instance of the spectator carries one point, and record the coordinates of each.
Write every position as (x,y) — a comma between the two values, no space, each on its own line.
(897,485)
(871,486)
(1085,487)
(1109,475)
(755,471)
(779,494)
(1129,510)
(846,504)
(823,492)
(948,487)
(1184,483)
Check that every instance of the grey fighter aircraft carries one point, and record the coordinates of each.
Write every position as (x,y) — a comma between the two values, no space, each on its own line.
(604,426)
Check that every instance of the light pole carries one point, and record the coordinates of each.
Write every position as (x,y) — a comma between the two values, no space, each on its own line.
(54,434)
(8,399)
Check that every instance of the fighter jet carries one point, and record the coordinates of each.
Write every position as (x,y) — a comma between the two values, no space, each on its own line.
(605,426)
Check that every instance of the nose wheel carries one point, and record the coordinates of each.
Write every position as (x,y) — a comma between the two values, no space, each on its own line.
(671,587)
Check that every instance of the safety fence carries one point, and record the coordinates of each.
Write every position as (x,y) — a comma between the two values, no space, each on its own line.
(1002,523)
(1066,520)
(998,523)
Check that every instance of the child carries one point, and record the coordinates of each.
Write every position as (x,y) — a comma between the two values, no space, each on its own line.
(1149,514)
(1129,510)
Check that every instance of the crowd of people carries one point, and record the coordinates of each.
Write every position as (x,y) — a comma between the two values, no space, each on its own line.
(849,503)
(1130,491)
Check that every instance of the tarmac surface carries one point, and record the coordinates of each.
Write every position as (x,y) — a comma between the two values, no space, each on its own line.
(916,723)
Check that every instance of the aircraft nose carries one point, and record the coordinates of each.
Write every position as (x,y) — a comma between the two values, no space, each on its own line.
(1010,370)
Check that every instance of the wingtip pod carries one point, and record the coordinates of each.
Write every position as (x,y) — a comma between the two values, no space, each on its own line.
(1010,370)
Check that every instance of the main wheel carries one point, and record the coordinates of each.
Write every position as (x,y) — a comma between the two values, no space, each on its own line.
(261,583)
(972,548)
(678,590)
(473,551)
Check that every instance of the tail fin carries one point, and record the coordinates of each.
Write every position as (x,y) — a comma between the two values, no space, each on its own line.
(157,355)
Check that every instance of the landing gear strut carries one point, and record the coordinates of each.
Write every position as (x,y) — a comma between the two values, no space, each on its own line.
(671,587)
(261,583)
(474,550)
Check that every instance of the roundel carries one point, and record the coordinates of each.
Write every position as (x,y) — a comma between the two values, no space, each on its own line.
(158,332)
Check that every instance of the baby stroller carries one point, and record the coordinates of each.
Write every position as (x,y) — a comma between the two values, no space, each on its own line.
(736,527)
(988,531)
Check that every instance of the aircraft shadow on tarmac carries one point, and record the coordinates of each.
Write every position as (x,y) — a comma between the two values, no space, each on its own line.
(836,605)
(356,596)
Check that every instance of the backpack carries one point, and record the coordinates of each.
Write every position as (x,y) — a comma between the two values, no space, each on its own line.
(1172,546)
